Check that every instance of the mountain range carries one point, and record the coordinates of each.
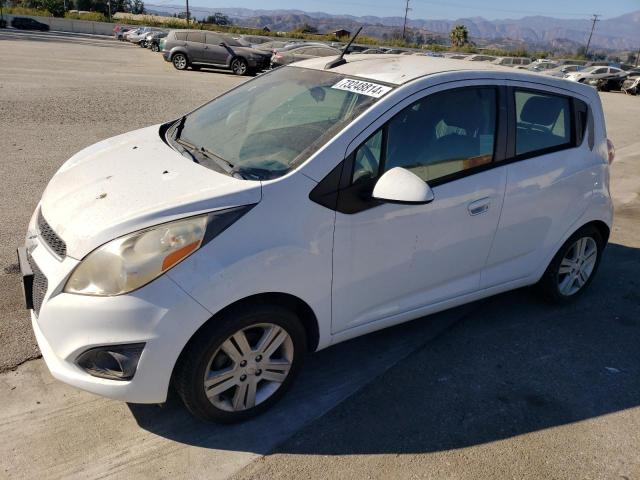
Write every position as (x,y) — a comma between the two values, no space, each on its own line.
(619,33)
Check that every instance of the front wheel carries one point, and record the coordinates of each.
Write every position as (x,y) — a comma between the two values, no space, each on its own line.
(241,363)
(179,61)
(155,48)
(574,266)
(239,66)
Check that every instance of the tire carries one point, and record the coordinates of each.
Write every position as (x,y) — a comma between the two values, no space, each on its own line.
(206,353)
(143,44)
(180,61)
(155,48)
(556,284)
(239,66)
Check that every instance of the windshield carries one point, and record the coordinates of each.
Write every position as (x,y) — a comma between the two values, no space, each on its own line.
(269,125)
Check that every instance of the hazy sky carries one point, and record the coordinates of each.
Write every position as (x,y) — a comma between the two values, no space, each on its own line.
(437,9)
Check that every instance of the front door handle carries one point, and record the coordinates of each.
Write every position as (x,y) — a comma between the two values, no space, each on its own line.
(479,206)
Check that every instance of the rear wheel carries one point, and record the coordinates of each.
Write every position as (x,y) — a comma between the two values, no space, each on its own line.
(180,61)
(574,266)
(239,66)
(241,363)
(155,47)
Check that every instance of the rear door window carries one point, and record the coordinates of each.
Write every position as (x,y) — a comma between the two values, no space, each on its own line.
(213,39)
(195,37)
(182,36)
(543,122)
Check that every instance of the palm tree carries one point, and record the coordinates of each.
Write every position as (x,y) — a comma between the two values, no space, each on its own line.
(459,36)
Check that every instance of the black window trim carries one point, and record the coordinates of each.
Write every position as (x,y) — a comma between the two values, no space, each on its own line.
(339,179)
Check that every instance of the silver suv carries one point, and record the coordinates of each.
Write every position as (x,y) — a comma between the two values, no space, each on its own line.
(198,48)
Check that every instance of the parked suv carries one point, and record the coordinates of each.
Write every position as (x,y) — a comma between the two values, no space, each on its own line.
(198,48)
(512,61)
(26,23)
(307,206)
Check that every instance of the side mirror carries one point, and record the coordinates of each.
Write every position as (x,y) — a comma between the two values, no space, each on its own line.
(399,185)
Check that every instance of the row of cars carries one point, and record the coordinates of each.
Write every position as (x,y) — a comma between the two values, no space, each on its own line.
(602,75)
(246,54)
(241,54)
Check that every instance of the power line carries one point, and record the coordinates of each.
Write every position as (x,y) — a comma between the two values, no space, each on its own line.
(594,19)
(404,25)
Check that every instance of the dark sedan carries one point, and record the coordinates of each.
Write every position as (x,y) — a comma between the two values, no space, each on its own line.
(25,23)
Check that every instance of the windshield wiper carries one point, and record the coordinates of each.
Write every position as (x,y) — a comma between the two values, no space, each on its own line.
(226,165)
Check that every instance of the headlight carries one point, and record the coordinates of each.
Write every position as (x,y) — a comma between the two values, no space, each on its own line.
(132,261)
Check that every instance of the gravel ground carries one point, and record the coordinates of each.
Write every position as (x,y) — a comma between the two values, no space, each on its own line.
(67,92)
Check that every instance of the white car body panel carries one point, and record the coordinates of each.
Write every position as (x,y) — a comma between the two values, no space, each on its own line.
(357,273)
(131,182)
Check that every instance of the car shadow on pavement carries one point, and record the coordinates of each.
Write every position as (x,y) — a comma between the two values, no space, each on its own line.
(502,367)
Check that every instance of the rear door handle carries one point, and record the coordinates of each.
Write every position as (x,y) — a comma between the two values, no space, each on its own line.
(479,206)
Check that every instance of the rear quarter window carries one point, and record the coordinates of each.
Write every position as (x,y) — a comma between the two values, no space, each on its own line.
(543,122)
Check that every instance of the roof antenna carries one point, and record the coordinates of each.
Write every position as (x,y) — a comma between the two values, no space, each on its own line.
(340,60)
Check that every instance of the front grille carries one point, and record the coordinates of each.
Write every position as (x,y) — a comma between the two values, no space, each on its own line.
(51,238)
(40,284)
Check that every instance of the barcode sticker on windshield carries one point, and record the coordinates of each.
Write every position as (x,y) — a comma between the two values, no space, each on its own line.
(361,87)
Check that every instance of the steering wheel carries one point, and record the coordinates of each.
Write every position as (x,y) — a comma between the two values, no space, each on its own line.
(368,170)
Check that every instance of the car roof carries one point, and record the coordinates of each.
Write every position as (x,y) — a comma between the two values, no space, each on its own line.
(401,69)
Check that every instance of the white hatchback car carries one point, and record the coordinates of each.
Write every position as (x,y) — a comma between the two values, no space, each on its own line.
(307,206)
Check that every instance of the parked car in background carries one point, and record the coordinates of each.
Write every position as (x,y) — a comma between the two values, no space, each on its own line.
(271,46)
(512,61)
(302,52)
(120,34)
(592,72)
(374,51)
(610,83)
(252,40)
(26,23)
(457,56)
(153,40)
(632,84)
(137,38)
(396,51)
(199,48)
(130,32)
(478,57)
(541,67)
(306,207)
(561,70)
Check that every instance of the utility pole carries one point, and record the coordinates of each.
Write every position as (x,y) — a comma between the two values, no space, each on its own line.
(637,57)
(594,19)
(188,15)
(404,26)
(108,3)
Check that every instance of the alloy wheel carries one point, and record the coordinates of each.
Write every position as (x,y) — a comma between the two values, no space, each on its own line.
(577,266)
(239,67)
(248,367)
(180,62)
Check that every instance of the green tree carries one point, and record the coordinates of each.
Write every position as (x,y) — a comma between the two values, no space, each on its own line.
(459,36)
(137,7)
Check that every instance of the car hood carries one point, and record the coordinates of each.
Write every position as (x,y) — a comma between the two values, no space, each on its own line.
(130,182)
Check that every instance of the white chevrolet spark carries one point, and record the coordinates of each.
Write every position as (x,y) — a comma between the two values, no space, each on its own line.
(307,206)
